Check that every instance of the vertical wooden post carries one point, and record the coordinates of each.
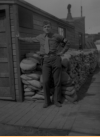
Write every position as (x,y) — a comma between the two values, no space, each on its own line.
(19,94)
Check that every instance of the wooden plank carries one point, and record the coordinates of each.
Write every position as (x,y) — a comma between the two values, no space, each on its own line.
(15,65)
(25,30)
(18,113)
(11,9)
(3,45)
(16,24)
(12,22)
(32,113)
(14,52)
(4,92)
(2,37)
(16,75)
(14,46)
(11,16)
(15,69)
(50,118)
(25,17)
(3,53)
(4,75)
(14,59)
(4,82)
(4,60)
(4,68)
(12,109)
(13,34)
(37,22)
(13,40)
(70,120)
(16,87)
(37,27)
(62,114)
(3,104)
(43,115)
(12,28)
(6,106)
(4,89)
(16,81)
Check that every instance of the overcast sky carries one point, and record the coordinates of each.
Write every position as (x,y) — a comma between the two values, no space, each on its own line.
(58,8)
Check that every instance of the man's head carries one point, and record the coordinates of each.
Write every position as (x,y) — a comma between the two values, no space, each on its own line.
(46,26)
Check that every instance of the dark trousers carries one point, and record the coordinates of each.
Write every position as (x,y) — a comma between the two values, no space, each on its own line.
(52,66)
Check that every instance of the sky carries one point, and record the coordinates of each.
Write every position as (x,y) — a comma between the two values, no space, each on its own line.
(58,8)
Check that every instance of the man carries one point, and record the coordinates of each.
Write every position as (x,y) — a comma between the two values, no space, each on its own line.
(49,50)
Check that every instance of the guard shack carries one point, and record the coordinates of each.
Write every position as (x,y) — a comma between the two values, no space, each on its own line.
(20,16)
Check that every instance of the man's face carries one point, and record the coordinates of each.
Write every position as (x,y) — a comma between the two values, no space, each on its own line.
(47,29)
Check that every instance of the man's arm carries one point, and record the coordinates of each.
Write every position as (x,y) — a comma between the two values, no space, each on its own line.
(66,44)
(29,39)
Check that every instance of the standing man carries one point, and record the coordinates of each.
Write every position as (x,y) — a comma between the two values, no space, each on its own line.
(49,50)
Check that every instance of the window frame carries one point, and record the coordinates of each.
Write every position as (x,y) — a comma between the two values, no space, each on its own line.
(64,31)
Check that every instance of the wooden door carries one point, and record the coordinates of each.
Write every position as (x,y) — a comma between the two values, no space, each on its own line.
(6,63)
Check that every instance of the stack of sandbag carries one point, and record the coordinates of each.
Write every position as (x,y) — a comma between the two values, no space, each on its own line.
(31,73)
(76,64)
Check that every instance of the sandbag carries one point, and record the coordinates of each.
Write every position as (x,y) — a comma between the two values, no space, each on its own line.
(28,89)
(25,86)
(41,92)
(29,93)
(27,71)
(35,83)
(28,64)
(64,61)
(32,87)
(41,79)
(25,77)
(34,60)
(68,92)
(71,98)
(25,82)
(34,76)
(38,97)
(34,55)
(65,79)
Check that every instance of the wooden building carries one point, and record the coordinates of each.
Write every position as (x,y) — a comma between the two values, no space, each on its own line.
(19,16)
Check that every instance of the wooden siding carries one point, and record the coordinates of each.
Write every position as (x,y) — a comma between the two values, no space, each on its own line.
(27,30)
(6,70)
(16,51)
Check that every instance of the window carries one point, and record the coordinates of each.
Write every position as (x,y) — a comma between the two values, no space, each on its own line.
(61,31)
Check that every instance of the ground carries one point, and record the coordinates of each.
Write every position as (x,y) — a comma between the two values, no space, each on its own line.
(30,119)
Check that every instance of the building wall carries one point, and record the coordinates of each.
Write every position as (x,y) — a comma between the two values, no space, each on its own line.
(79,28)
(30,25)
